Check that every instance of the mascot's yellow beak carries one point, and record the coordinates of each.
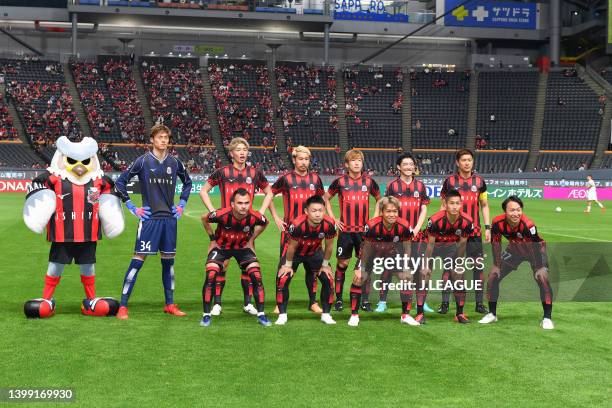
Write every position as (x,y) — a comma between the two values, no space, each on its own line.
(79,168)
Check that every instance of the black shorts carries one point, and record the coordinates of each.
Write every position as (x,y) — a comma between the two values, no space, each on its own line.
(474,247)
(511,260)
(283,241)
(65,252)
(312,263)
(244,256)
(347,243)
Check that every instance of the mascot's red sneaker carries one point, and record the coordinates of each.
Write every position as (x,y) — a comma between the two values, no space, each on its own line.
(174,310)
(122,313)
(99,307)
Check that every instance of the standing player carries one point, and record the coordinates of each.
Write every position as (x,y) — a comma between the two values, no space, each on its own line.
(592,195)
(157,172)
(473,192)
(303,246)
(524,245)
(413,198)
(382,238)
(354,190)
(237,228)
(297,186)
(449,229)
(229,179)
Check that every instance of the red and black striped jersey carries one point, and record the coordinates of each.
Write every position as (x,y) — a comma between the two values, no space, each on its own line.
(444,230)
(76,208)
(376,231)
(470,189)
(230,179)
(354,199)
(296,190)
(411,197)
(523,238)
(232,232)
(309,237)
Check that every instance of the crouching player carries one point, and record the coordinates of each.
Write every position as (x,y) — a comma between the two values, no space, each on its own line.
(382,236)
(525,244)
(447,236)
(237,228)
(306,233)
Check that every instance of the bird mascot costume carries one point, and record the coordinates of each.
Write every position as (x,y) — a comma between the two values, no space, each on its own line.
(74,201)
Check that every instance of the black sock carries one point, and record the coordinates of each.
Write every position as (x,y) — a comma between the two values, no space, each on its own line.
(547,310)
(493,308)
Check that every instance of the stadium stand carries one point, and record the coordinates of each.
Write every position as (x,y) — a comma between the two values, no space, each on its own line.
(19,155)
(307,96)
(374,101)
(506,105)
(242,95)
(326,162)
(572,117)
(176,97)
(607,161)
(563,161)
(43,102)
(439,108)
(500,162)
(7,131)
(268,160)
(380,162)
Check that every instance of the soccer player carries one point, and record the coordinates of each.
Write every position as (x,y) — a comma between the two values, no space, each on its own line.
(592,195)
(473,192)
(229,179)
(413,198)
(296,187)
(303,246)
(157,172)
(381,239)
(449,229)
(525,244)
(237,228)
(354,190)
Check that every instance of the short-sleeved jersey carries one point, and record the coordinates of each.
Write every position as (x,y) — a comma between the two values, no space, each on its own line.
(76,216)
(232,232)
(157,180)
(309,237)
(354,198)
(296,190)
(523,238)
(440,227)
(376,231)
(230,179)
(411,196)
(591,186)
(470,189)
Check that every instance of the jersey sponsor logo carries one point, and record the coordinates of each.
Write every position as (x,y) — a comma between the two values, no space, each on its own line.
(231,180)
(532,230)
(152,170)
(61,196)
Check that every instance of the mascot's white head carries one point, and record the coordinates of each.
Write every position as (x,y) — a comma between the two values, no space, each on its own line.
(77,162)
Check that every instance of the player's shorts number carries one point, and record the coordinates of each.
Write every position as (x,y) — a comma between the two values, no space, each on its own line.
(145,246)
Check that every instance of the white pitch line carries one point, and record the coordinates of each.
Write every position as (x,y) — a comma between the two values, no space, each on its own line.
(573,236)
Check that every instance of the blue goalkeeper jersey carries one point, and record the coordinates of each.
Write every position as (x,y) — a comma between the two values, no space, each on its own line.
(157,183)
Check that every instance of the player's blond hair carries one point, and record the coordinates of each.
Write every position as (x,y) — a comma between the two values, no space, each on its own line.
(388,200)
(353,154)
(233,144)
(159,128)
(301,149)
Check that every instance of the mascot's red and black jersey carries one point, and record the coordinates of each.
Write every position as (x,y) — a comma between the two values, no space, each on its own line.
(76,214)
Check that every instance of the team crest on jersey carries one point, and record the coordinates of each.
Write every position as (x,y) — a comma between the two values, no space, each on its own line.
(366,228)
(291,228)
(212,214)
(396,239)
(93,195)
(321,235)
(474,189)
(364,188)
(249,180)
(458,232)
(519,235)
(168,170)
(416,194)
(247,229)
(312,187)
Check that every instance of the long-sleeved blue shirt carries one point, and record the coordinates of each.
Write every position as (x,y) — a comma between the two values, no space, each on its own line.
(157,182)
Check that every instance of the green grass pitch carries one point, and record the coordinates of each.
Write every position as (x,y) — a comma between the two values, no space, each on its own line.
(156,360)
